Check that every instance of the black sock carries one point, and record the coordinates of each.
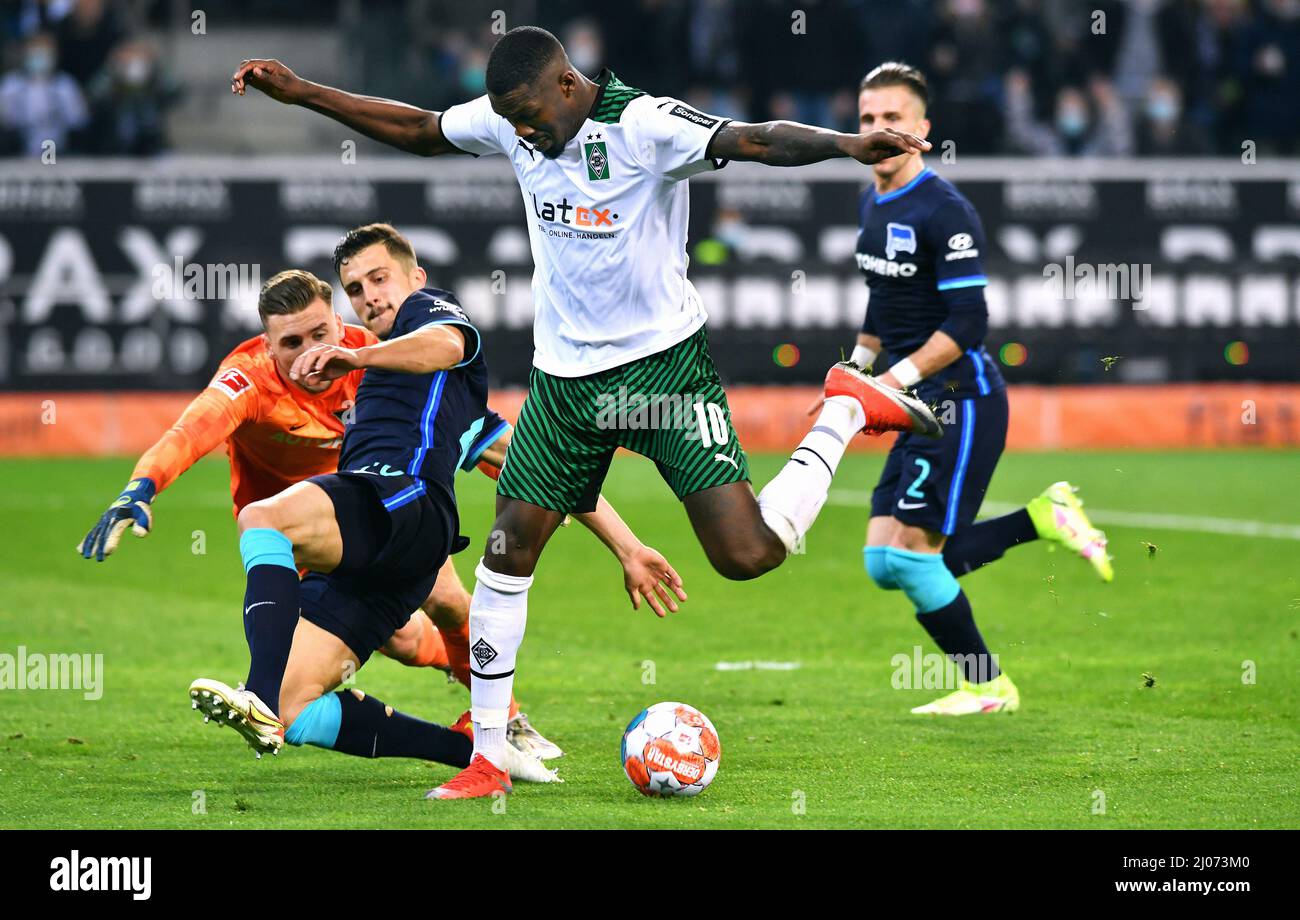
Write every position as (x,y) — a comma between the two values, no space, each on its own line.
(270,617)
(982,543)
(367,728)
(953,629)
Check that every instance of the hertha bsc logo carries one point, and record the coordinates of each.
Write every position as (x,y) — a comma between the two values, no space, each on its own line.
(899,238)
(483,653)
(597,160)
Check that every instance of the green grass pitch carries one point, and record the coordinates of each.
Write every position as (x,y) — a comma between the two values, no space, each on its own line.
(829,744)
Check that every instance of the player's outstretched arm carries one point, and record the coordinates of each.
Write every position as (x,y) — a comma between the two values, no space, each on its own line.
(787,143)
(206,422)
(428,349)
(397,124)
(646,573)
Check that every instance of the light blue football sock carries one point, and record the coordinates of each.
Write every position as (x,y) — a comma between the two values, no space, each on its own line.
(318,724)
(924,578)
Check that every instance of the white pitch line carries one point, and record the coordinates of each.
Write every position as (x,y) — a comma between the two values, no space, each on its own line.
(1185,522)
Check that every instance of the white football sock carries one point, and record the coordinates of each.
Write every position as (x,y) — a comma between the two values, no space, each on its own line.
(498,614)
(790,502)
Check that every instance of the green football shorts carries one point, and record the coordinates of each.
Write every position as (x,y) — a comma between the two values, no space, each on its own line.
(669,407)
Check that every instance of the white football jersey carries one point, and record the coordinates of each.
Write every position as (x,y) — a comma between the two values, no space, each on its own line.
(607,221)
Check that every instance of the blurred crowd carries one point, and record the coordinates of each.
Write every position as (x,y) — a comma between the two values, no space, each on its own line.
(1029,77)
(1038,77)
(75,76)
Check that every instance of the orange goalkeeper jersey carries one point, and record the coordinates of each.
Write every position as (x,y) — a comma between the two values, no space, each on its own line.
(276,433)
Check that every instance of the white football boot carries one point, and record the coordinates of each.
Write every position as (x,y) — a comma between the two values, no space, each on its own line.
(521,734)
(520,764)
(241,710)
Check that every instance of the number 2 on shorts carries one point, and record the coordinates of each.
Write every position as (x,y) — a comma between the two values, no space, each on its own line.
(914,490)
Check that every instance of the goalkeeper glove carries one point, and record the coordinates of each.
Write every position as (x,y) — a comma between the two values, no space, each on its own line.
(131,508)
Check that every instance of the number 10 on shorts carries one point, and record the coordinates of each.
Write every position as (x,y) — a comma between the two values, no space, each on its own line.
(713,424)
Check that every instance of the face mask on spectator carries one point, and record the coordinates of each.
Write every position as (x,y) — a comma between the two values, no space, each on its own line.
(1072,122)
(39,63)
(135,71)
(584,57)
(1162,109)
(732,231)
(473,79)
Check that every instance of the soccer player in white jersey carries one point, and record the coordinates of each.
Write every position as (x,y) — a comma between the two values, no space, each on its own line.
(601,167)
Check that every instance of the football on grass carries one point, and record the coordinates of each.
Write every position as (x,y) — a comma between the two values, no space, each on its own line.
(671,749)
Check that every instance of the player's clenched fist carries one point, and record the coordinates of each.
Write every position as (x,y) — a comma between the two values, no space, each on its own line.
(270,76)
(130,509)
(885,143)
(325,362)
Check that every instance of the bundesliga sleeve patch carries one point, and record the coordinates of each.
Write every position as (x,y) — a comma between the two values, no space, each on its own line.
(232,382)
(694,117)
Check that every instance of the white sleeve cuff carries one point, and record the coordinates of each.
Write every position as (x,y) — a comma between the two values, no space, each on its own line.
(906,373)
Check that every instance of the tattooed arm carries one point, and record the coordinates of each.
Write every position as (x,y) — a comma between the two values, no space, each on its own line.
(787,143)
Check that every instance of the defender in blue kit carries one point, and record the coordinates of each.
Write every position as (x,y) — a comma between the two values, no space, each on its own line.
(372,536)
(920,247)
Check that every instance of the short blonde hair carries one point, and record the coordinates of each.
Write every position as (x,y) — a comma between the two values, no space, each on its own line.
(291,291)
(896,73)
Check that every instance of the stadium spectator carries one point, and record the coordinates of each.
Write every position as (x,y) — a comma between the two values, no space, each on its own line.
(795,68)
(896,31)
(1268,66)
(129,100)
(713,58)
(1137,49)
(39,103)
(1222,34)
(1164,129)
(1029,45)
(1014,76)
(1078,128)
(1179,33)
(86,38)
(965,73)
(21,19)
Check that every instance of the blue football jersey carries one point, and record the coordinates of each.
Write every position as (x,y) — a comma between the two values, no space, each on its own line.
(920,248)
(419,424)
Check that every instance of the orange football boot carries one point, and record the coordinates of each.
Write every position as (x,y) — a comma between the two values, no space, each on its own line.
(886,409)
(480,779)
